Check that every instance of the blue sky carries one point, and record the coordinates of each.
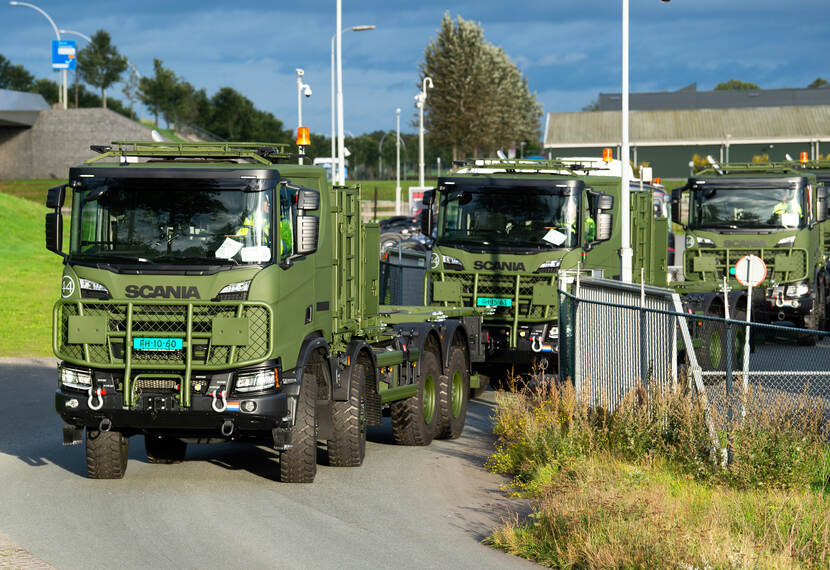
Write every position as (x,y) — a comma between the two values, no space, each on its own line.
(569,50)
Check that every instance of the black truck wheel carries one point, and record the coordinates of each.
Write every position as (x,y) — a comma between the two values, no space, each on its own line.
(347,448)
(298,464)
(453,391)
(106,454)
(414,419)
(164,449)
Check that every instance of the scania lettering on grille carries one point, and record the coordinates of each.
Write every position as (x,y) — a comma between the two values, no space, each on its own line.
(500,265)
(161,292)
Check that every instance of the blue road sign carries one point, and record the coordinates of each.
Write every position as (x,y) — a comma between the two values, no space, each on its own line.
(63,54)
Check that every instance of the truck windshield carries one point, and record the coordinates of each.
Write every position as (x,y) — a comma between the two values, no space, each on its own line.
(758,207)
(509,217)
(182,221)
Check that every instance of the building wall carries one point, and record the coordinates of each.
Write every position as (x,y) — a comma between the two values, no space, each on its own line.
(60,139)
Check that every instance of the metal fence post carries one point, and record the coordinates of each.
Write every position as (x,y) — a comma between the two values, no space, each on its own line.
(643,356)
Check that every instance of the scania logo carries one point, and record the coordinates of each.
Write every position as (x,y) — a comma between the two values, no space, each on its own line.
(500,265)
(161,291)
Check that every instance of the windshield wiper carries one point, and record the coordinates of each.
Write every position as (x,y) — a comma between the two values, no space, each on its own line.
(190,259)
(108,257)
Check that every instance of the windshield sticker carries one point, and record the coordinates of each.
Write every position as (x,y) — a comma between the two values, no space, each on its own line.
(555,237)
(254,254)
(228,249)
(789,220)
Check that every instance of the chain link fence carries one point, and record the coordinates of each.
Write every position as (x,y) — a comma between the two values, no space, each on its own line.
(615,337)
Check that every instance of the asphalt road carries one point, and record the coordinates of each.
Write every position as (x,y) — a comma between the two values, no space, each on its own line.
(406,507)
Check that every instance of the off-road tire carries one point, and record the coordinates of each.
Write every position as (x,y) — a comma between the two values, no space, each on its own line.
(347,448)
(106,454)
(162,449)
(414,419)
(453,391)
(298,464)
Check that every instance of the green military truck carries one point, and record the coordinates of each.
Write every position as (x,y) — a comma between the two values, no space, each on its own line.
(215,292)
(772,211)
(505,229)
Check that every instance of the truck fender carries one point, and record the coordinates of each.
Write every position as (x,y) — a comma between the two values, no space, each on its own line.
(309,346)
(342,385)
(417,334)
(453,332)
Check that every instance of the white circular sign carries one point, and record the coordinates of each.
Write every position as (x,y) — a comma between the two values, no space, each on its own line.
(435,261)
(67,287)
(750,270)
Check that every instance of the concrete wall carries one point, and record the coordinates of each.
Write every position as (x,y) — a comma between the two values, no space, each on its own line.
(60,139)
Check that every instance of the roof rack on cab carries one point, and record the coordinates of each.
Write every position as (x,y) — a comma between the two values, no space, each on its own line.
(527,166)
(750,167)
(263,153)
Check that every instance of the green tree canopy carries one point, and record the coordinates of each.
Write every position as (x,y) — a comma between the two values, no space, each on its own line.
(100,64)
(14,77)
(735,85)
(817,83)
(480,100)
(159,92)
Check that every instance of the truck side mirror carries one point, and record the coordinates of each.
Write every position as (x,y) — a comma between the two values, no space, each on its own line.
(429,198)
(55,196)
(308,234)
(821,203)
(604,224)
(54,233)
(426,221)
(54,220)
(308,199)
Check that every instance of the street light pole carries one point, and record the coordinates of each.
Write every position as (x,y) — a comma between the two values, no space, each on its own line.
(398,162)
(334,110)
(626,253)
(62,92)
(89,40)
(302,89)
(420,101)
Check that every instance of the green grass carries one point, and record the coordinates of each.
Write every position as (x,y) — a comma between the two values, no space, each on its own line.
(30,281)
(386,188)
(637,489)
(33,190)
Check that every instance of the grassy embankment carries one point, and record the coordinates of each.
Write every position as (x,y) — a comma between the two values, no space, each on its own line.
(637,489)
(30,280)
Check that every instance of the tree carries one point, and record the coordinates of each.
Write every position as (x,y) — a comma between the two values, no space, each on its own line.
(159,92)
(100,64)
(131,89)
(14,77)
(480,99)
(736,85)
(819,82)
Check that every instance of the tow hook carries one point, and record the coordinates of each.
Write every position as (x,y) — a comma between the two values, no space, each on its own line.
(227,428)
(536,344)
(105,425)
(91,400)
(219,396)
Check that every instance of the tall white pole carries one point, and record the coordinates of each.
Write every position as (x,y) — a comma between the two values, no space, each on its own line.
(398,162)
(626,253)
(62,91)
(421,99)
(333,114)
(341,144)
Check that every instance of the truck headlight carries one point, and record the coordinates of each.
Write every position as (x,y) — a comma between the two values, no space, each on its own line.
(73,378)
(550,266)
(92,289)
(787,241)
(234,292)
(452,263)
(705,242)
(797,290)
(256,381)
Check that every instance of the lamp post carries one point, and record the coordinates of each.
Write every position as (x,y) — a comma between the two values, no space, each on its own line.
(62,91)
(334,36)
(302,89)
(420,101)
(398,162)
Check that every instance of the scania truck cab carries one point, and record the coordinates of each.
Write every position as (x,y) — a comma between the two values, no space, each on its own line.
(772,211)
(504,230)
